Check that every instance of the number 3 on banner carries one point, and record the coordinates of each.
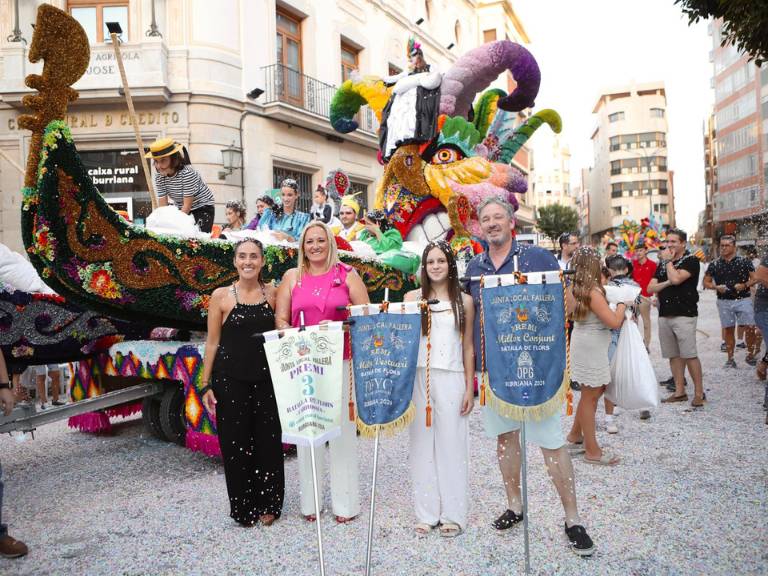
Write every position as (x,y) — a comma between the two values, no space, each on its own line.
(307,380)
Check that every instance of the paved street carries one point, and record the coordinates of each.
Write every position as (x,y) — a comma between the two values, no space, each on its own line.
(688,498)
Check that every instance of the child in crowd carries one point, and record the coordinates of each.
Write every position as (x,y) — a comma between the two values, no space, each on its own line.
(322,208)
(593,321)
(439,454)
(619,271)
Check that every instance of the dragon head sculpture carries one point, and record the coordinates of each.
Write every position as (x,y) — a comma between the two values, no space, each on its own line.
(470,156)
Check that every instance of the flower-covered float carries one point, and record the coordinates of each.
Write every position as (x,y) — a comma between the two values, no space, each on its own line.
(442,156)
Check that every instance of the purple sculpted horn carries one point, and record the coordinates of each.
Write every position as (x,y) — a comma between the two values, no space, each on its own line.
(474,71)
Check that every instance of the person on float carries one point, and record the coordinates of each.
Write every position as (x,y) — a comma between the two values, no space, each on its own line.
(322,207)
(590,366)
(237,390)
(387,242)
(176,179)
(284,220)
(411,114)
(235,215)
(439,454)
(262,204)
(348,227)
(502,256)
(318,286)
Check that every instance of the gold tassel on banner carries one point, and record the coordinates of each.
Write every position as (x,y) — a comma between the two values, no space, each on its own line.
(567,375)
(539,412)
(389,429)
(351,387)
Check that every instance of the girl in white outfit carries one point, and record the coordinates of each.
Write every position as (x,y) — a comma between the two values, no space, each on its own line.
(440,453)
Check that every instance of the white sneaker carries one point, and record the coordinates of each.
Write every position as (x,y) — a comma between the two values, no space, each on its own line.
(611,428)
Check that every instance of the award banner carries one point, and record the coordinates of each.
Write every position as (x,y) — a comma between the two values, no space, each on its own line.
(525,344)
(307,368)
(385,350)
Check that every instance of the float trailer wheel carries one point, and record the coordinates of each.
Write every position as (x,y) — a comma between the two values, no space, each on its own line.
(172,421)
(150,413)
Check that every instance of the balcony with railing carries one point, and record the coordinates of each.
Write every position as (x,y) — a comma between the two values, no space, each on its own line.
(293,90)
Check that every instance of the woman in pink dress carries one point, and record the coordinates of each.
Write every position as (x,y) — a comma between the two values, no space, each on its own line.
(316,287)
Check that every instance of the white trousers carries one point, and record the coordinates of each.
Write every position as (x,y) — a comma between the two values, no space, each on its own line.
(345,492)
(440,454)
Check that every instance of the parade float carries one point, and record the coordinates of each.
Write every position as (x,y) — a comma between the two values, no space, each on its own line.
(444,164)
(38,328)
(630,234)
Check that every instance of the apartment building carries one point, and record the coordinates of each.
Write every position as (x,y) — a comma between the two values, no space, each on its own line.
(629,178)
(738,193)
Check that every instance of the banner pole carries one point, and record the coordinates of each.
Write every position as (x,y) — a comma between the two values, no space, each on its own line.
(317,510)
(373,485)
(314,486)
(524,470)
(373,503)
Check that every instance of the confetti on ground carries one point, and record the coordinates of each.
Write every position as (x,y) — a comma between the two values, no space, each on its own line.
(688,498)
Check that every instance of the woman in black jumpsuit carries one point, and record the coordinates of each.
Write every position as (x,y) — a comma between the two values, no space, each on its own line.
(240,393)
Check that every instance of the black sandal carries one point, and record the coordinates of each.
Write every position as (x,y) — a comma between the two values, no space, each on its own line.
(507,520)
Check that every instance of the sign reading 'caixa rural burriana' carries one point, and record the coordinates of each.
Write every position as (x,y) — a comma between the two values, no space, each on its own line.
(525,344)
(306,367)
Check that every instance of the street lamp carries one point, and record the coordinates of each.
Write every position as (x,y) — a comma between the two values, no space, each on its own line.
(648,155)
(231,159)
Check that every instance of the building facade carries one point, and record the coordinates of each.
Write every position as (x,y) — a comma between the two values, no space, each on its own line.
(738,194)
(253,76)
(550,181)
(581,195)
(630,179)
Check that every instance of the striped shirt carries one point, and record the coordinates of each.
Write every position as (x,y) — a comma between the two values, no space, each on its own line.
(186,182)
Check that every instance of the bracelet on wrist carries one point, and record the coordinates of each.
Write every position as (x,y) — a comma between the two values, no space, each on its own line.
(205,389)
(5,385)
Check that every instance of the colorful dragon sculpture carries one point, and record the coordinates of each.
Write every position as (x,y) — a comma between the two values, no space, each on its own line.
(469,158)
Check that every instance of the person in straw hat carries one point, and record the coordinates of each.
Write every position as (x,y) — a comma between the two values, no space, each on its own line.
(175,178)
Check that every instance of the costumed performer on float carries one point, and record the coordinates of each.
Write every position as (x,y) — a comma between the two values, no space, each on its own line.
(439,453)
(387,242)
(411,112)
(284,220)
(322,206)
(317,287)
(175,178)
(262,203)
(237,390)
(235,215)
(349,227)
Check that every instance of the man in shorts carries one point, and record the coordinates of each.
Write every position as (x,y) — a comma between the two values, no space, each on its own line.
(732,276)
(497,223)
(676,282)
